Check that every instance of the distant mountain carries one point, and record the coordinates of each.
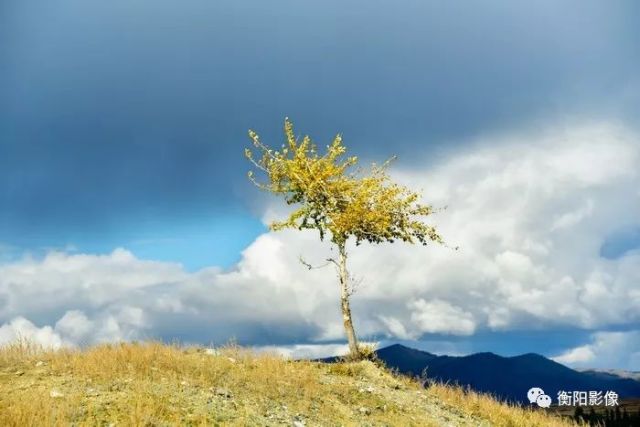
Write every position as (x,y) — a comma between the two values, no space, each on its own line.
(406,360)
(508,378)
(613,373)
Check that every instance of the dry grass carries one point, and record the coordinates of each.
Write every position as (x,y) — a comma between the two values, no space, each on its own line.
(153,384)
(495,412)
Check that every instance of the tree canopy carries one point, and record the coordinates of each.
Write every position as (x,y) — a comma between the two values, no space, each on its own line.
(335,197)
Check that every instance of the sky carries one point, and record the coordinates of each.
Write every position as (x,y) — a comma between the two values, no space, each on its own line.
(125,212)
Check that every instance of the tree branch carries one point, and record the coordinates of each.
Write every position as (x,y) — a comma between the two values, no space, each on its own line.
(312,267)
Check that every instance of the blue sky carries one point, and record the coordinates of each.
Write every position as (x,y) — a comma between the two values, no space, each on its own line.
(122,126)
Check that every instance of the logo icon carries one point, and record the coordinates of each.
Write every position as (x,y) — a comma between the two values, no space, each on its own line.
(536,395)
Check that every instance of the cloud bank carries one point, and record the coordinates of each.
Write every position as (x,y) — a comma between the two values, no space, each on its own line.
(529,212)
(605,350)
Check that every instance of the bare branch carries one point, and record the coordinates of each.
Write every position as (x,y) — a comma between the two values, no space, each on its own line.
(256,164)
(333,261)
(310,266)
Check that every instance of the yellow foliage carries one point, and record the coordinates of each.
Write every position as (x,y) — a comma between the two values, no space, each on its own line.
(335,199)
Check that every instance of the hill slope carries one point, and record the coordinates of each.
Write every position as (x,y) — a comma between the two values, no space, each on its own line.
(508,378)
(155,384)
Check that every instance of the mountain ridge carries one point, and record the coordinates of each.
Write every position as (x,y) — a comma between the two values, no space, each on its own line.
(506,377)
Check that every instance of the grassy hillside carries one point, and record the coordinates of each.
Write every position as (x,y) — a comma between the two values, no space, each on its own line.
(153,384)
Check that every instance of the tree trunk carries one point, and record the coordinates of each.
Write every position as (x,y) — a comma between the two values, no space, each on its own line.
(344,300)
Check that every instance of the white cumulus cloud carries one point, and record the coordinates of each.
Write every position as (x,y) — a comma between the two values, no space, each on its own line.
(606,350)
(529,212)
(22,329)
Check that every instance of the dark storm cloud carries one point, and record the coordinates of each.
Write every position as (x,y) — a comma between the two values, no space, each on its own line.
(115,111)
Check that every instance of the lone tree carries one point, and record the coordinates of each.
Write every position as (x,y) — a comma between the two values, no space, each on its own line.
(339,202)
